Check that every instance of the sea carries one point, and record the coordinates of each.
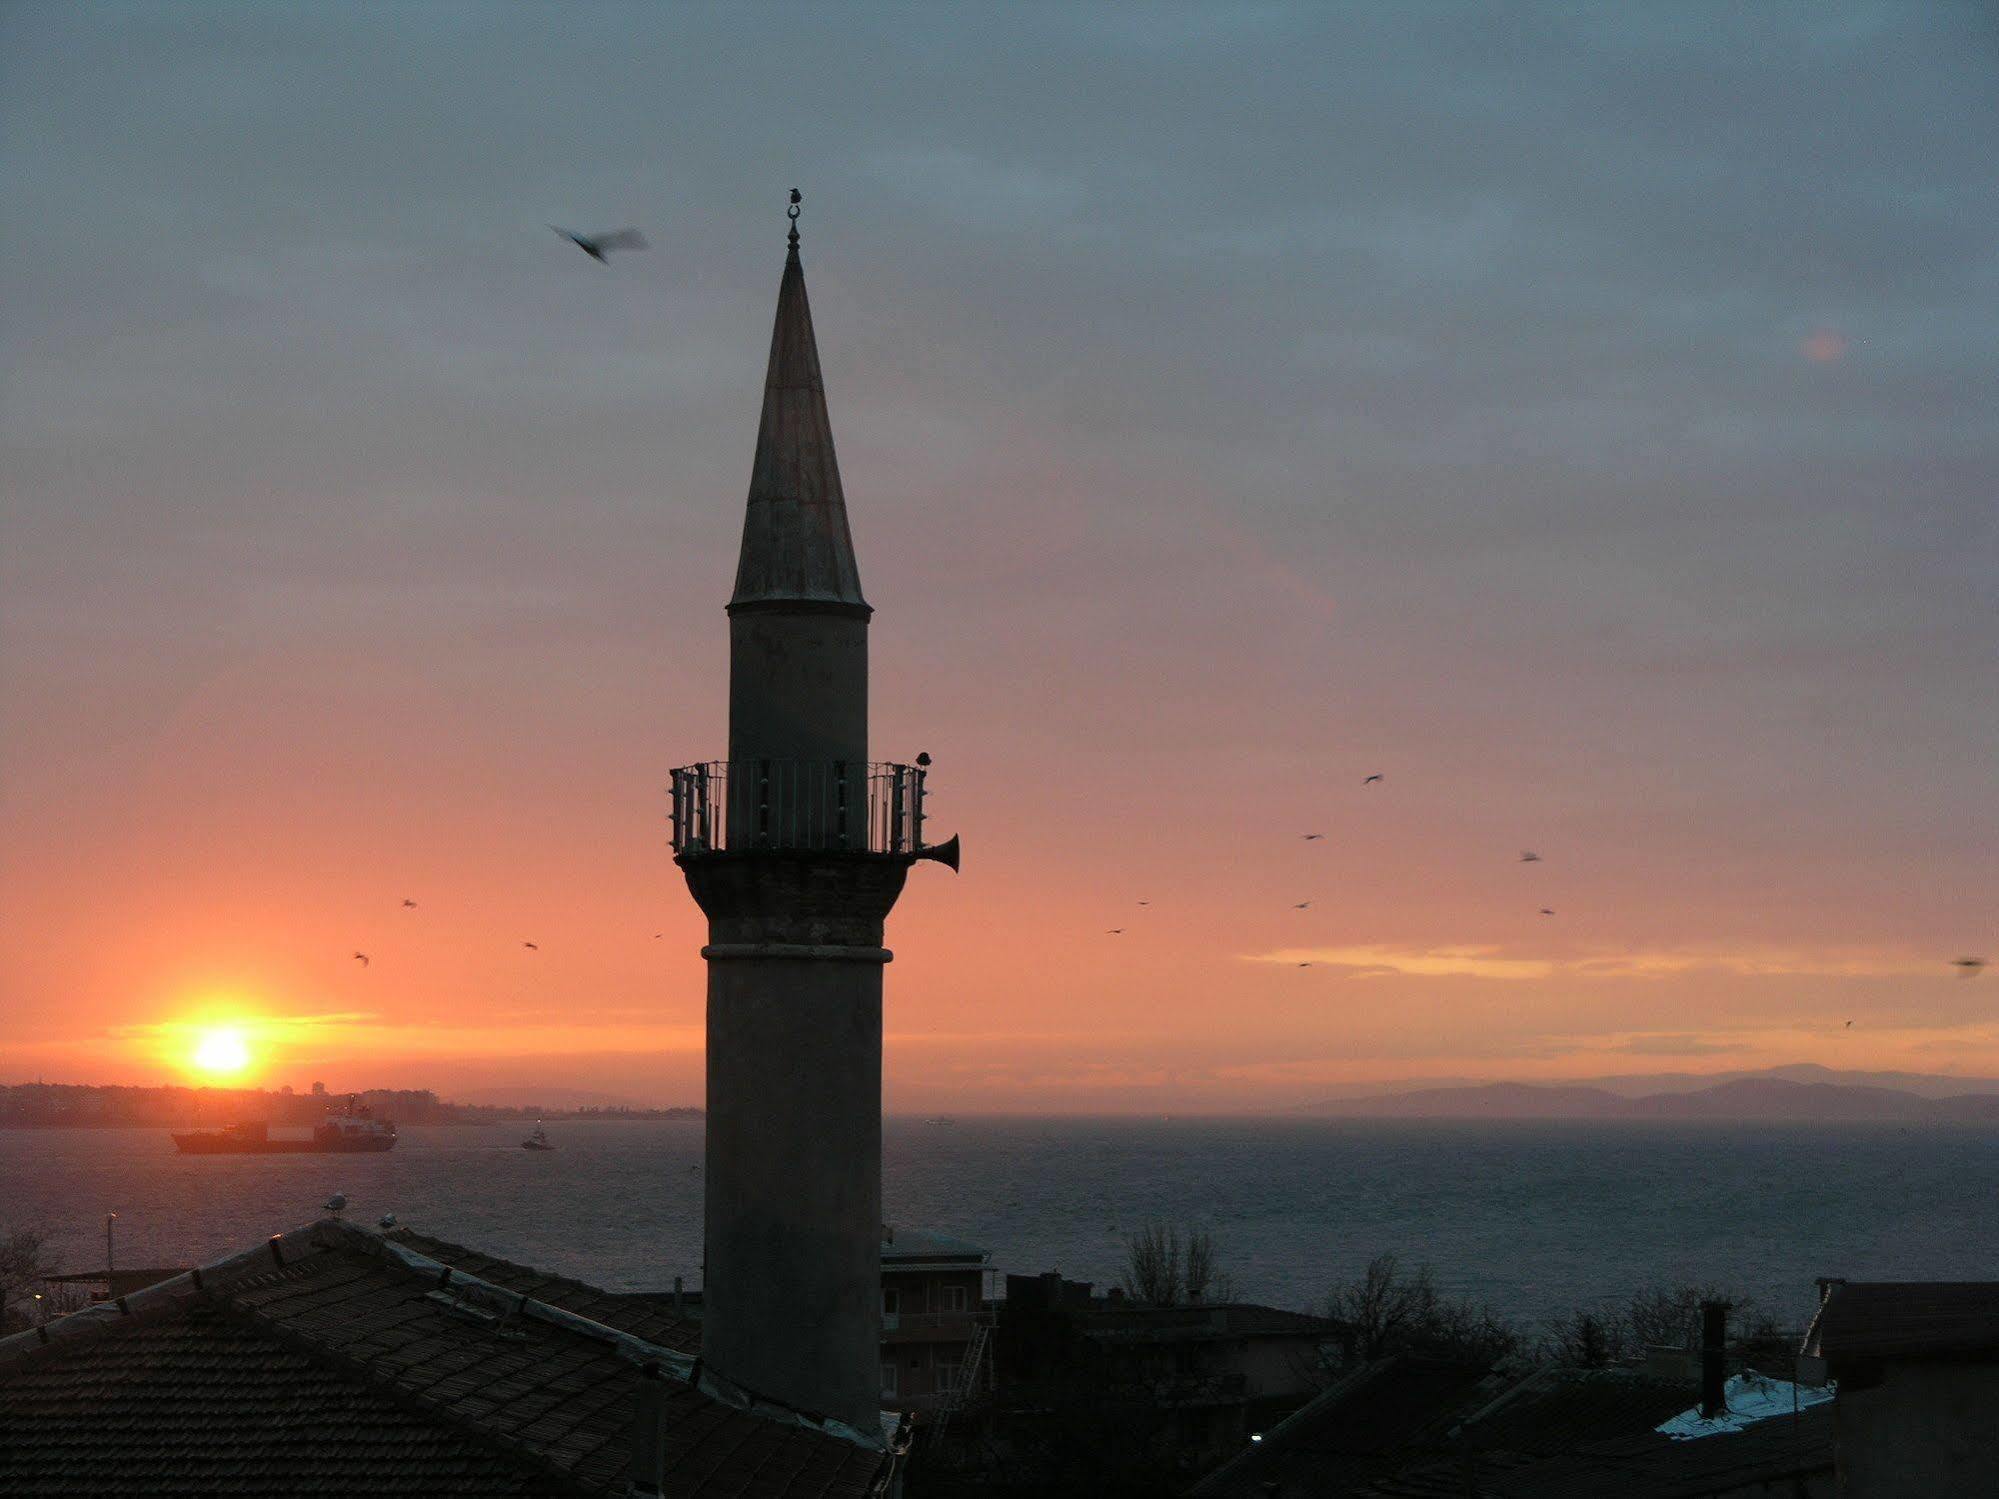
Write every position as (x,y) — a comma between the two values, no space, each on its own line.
(1534,1219)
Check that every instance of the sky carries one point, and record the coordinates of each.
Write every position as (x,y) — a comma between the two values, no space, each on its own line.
(1587,418)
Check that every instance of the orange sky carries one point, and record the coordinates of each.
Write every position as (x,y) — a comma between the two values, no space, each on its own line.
(1613,497)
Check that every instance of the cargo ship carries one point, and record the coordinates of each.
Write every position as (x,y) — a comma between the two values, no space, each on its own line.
(355,1130)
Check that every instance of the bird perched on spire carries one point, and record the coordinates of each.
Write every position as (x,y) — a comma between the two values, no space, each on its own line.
(597,246)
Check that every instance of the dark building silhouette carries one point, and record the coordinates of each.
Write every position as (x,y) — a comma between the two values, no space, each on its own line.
(796,847)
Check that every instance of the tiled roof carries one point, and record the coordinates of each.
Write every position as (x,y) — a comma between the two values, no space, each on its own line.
(1205,1322)
(1907,1319)
(1367,1425)
(1636,1465)
(1403,1428)
(202,1403)
(434,1376)
(643,1314)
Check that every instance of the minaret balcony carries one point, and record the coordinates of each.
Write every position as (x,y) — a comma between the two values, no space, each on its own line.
(818,806)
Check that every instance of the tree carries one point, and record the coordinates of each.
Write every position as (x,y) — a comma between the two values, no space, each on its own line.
(1389,1310)
(1198,1272)
(25,1262)
(1590,1340)
(1153,1269)
(1164,1267)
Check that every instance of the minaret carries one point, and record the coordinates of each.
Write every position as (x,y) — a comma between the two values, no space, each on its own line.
(796,847)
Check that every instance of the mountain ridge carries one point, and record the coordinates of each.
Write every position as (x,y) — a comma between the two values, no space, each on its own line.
(1760,1096)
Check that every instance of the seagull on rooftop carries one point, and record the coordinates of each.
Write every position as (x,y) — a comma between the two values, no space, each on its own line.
(336,1203)
(387,1222)
(596,246)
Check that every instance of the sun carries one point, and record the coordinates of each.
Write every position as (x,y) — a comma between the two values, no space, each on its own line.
(221,1052)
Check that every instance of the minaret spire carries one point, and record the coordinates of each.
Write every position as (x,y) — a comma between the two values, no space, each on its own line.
(797,547)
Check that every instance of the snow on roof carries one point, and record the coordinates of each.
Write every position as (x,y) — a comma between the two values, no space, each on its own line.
(1746,1399)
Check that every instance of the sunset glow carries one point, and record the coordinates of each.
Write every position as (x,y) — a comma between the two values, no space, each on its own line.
(1278,521)
(221,1053)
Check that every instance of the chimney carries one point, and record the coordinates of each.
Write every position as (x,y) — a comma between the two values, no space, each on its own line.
(649,1434)
(1714,1365)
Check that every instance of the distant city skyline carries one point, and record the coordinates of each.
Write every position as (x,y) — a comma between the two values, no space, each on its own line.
(1581,420)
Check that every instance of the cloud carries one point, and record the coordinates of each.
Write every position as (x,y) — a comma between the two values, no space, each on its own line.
(1493,962)
(1662,1045)
(1433,962)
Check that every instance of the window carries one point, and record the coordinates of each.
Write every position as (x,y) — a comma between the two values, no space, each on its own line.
(949,1371)
(954,1298)
(888,1379)
(891,1301)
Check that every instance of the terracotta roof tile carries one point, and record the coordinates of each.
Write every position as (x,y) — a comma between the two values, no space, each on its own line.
(358,1366)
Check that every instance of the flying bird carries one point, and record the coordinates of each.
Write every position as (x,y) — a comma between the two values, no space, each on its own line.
(408,904)
(1370,780)
(596,246)
(1145,903)
(1116,931)
(1547,910)
(1849,1025)
(361,958)
(1301,905)
(1311,837)
(531,946)
(1528,856)
(1968,967)
(1304,965)
(335,1203)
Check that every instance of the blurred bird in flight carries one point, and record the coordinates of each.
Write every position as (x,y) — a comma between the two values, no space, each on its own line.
(361,958)
(597,246)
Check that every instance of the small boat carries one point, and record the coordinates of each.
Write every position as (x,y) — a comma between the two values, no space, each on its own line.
(537,1141)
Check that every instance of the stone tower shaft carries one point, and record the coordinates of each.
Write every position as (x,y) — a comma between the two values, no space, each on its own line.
(796,848)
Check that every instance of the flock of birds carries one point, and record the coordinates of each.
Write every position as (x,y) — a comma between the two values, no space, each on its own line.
(409,905)
(1966,967)
(599,247)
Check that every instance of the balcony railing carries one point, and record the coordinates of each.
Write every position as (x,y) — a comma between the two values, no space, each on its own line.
(853,806)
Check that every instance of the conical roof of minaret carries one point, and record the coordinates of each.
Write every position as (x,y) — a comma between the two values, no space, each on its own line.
(796,544)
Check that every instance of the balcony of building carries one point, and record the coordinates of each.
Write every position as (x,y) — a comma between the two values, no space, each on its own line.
(744,806)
